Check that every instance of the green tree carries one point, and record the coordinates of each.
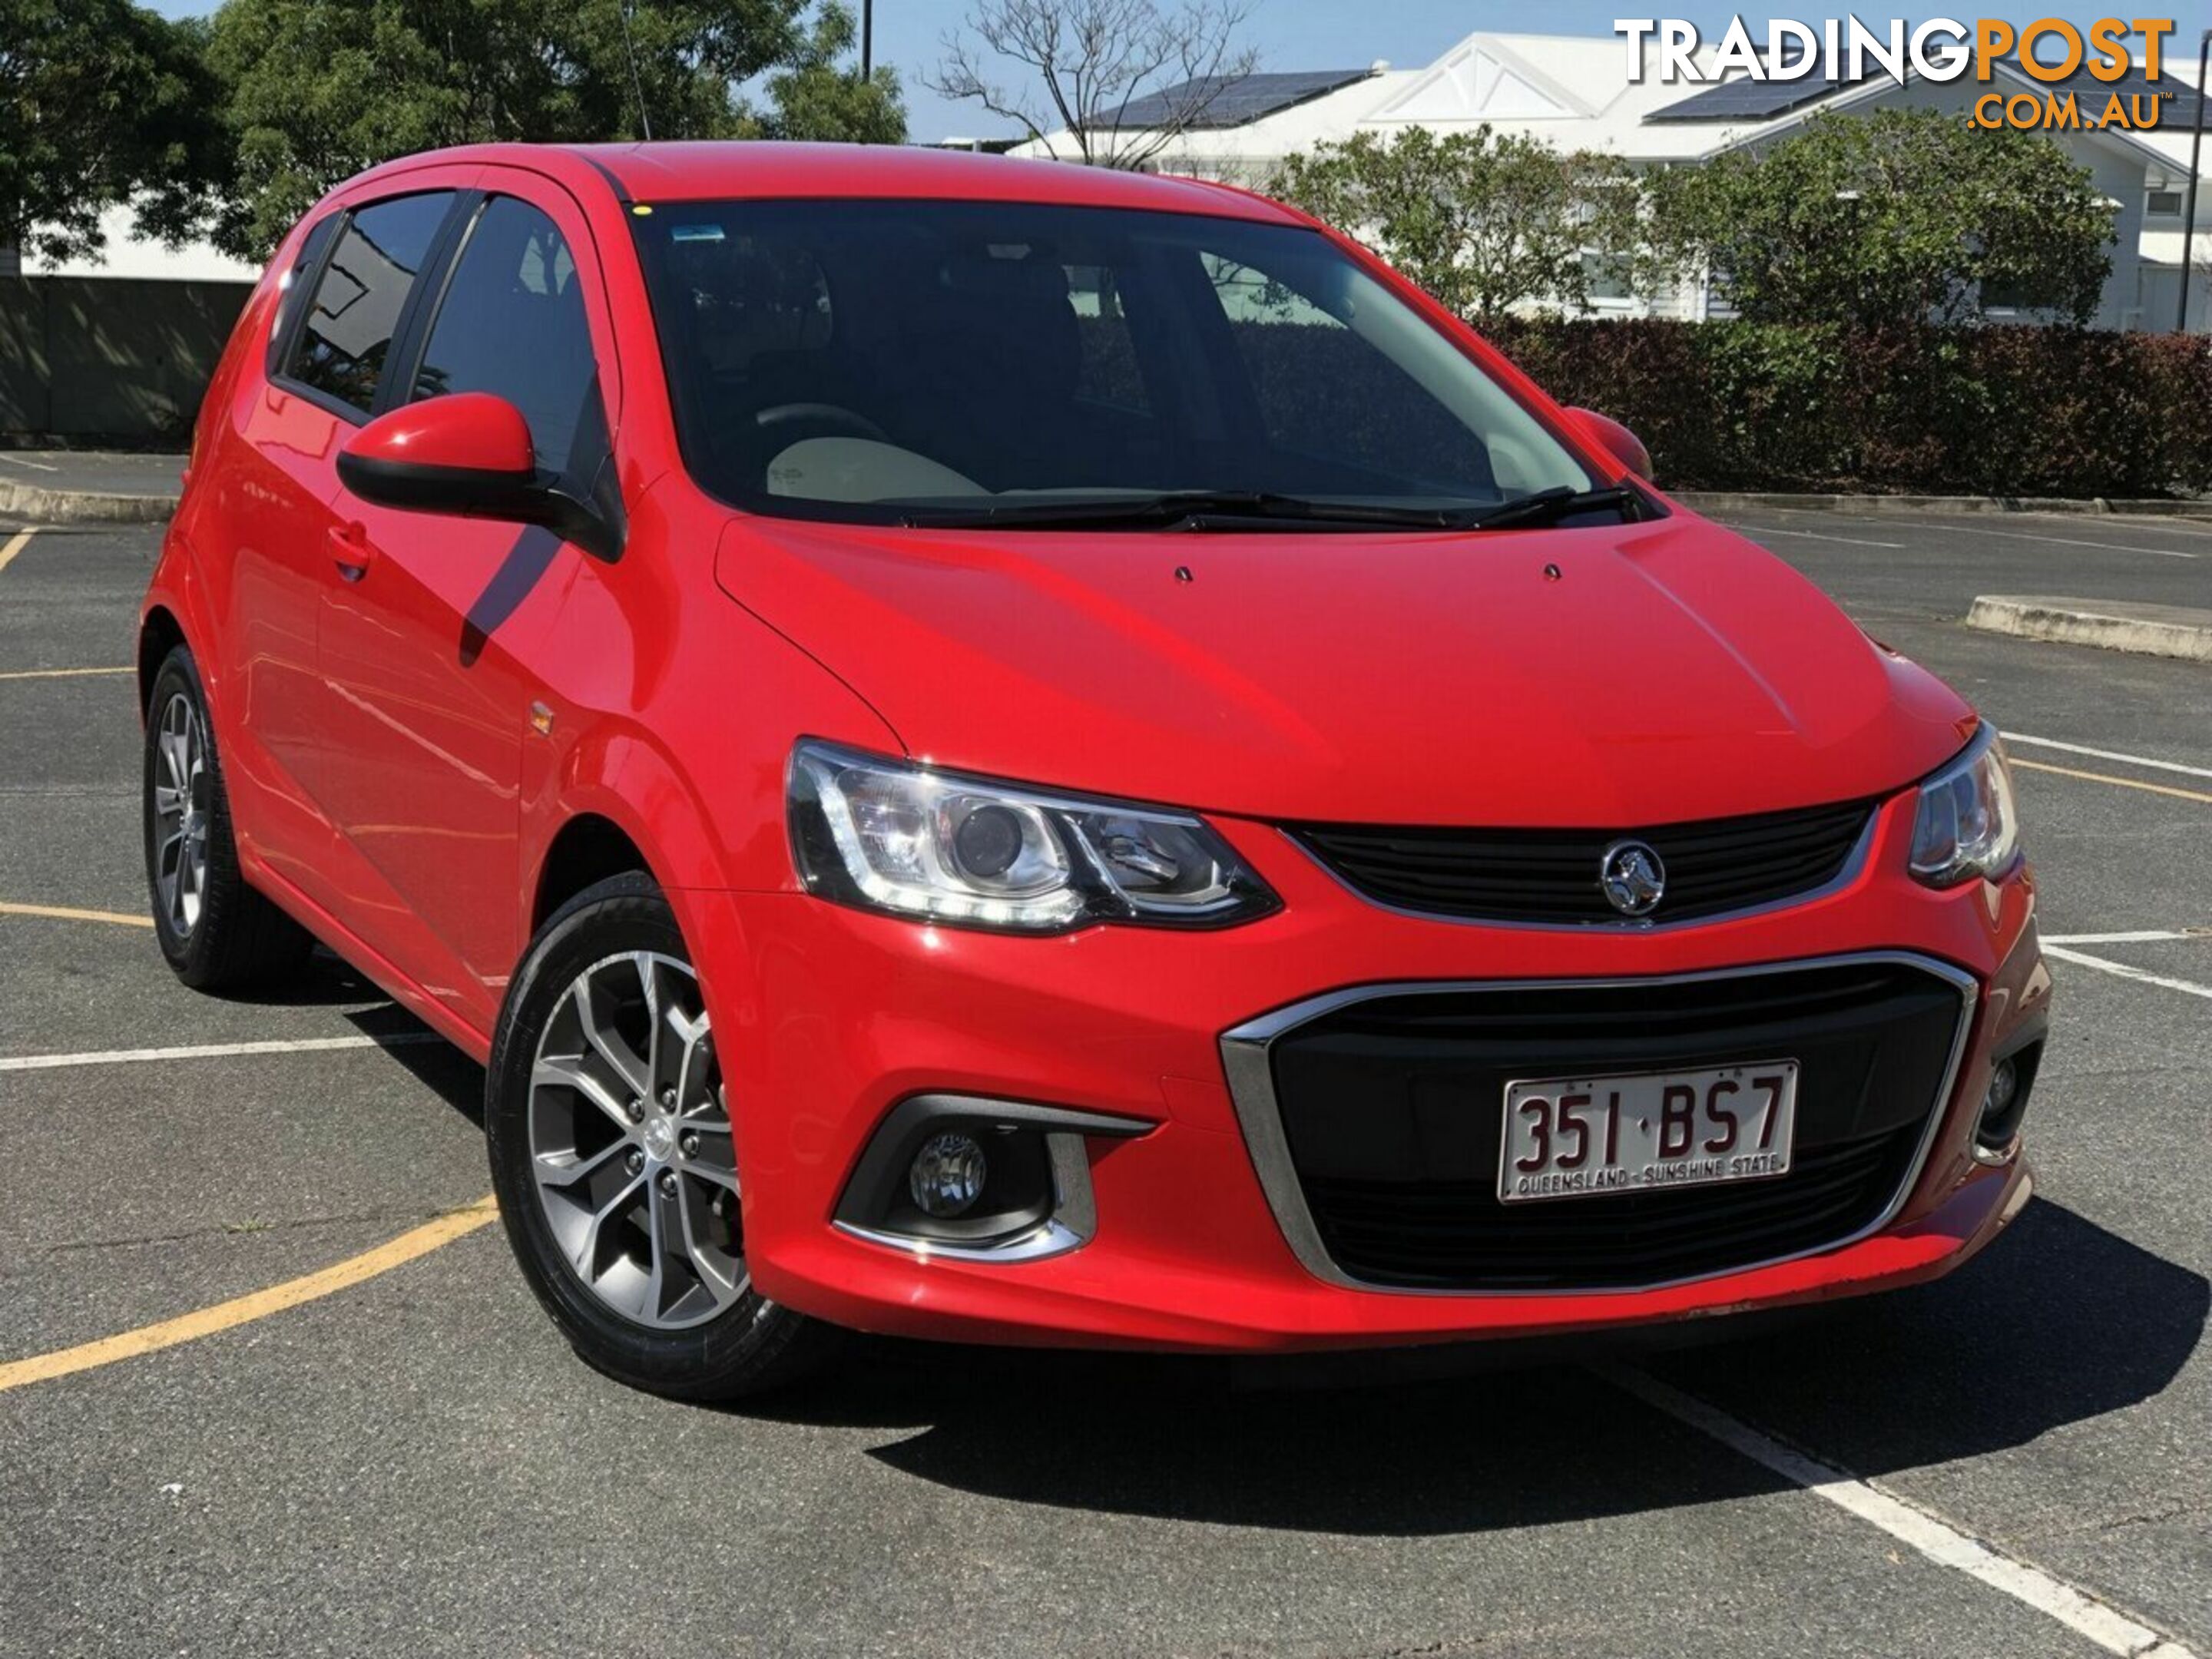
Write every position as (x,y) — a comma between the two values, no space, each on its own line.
(1485,221)
(106,103)
(1902,216)
(316,90)
(815,99)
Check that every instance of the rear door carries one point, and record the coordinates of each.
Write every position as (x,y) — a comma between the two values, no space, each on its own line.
(430,654)
(333,331)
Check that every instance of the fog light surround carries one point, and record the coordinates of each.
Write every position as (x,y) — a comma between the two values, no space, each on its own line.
(980,1180)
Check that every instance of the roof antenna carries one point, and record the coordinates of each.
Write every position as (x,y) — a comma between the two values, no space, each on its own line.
(637,86)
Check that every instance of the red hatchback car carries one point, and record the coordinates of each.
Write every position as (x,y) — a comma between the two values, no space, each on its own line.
(1000,751)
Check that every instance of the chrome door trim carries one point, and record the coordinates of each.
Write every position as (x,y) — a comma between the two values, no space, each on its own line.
(1247,1058)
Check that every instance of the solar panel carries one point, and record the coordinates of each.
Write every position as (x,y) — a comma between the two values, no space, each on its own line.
(2176,112)
(1746,100)
(1230,100)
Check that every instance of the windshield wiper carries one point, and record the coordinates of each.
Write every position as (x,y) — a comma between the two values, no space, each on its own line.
(1200,508)
(1560,501)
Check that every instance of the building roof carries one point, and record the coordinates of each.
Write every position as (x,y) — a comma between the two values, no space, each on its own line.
(1575,91)
(1746,100)
(1231,100)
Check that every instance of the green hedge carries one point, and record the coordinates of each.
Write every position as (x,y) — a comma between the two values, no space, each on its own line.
(2009,411)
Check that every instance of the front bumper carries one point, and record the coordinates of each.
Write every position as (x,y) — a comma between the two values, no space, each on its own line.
(839,1016)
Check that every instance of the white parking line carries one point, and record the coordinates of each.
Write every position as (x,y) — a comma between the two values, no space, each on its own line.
(2072,541)
(2108,754)
(1756,531)
(2140,936)
(36,466)
(1963,523)
(1940,1541)
(2121,971)
(211,1051)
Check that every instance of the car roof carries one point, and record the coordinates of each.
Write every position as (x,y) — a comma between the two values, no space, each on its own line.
(704,171)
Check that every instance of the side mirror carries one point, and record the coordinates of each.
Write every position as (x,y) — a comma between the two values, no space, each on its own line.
(468,454)
(1617,440)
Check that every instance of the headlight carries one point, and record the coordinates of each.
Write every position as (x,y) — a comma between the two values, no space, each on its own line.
(886,834)
(1967,824)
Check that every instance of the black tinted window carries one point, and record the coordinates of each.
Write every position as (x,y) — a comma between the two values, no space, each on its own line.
(348,330)
(512,323)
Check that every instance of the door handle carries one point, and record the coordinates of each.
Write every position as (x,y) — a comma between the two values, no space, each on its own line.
(350,551)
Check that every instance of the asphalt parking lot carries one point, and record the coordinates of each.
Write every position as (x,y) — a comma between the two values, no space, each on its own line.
(2013,1462)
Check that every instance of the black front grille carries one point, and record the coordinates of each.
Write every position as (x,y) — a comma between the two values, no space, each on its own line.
(1550,876)
(1391,1108)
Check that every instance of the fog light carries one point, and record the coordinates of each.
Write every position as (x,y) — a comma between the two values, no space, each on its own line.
(2011,1077)
(947,1176)
(2004,1083)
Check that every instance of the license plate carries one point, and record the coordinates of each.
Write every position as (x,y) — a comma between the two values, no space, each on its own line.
(1646,1130)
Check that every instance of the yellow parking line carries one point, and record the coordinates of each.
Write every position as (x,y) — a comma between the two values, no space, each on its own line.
(65,913)
(190,1327)
(60,673)
(2020,765)
(16,544)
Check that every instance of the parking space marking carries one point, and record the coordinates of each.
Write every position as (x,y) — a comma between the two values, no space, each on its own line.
(2106,777)
(2139,936)
(36,466)
(2072,541)
(212,1051)
(70,913)
(2108,754)
(16,544)
(60,673)
(1937,1539)
(2123,971)
(257,1305)
(1959,524)
(1810,535)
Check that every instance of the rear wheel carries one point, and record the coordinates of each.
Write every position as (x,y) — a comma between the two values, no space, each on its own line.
(215,931)
(616,1167)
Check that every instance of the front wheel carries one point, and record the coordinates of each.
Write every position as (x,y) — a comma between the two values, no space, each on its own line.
(613,1157)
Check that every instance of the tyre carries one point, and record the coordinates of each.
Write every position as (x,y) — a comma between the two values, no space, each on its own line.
(215,931)
(612,1156)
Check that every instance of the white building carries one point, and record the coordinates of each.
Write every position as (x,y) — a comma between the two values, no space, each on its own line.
(1574,92)
(127,255)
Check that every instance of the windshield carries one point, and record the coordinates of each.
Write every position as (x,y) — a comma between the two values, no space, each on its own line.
(987,362)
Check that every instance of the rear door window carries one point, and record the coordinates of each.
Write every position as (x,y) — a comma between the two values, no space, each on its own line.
(346,336)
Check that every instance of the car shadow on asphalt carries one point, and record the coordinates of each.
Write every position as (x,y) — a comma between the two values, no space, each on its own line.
(437,1065)
(2058,1322)
(323,980)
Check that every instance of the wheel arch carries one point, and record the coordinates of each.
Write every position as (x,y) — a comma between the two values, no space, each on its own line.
(159,634)
(587,849)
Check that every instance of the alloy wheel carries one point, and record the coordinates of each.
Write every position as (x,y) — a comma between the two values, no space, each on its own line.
(180,814)
(630,1145)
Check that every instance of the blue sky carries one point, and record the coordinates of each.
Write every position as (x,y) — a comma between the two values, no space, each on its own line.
(1289,34)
